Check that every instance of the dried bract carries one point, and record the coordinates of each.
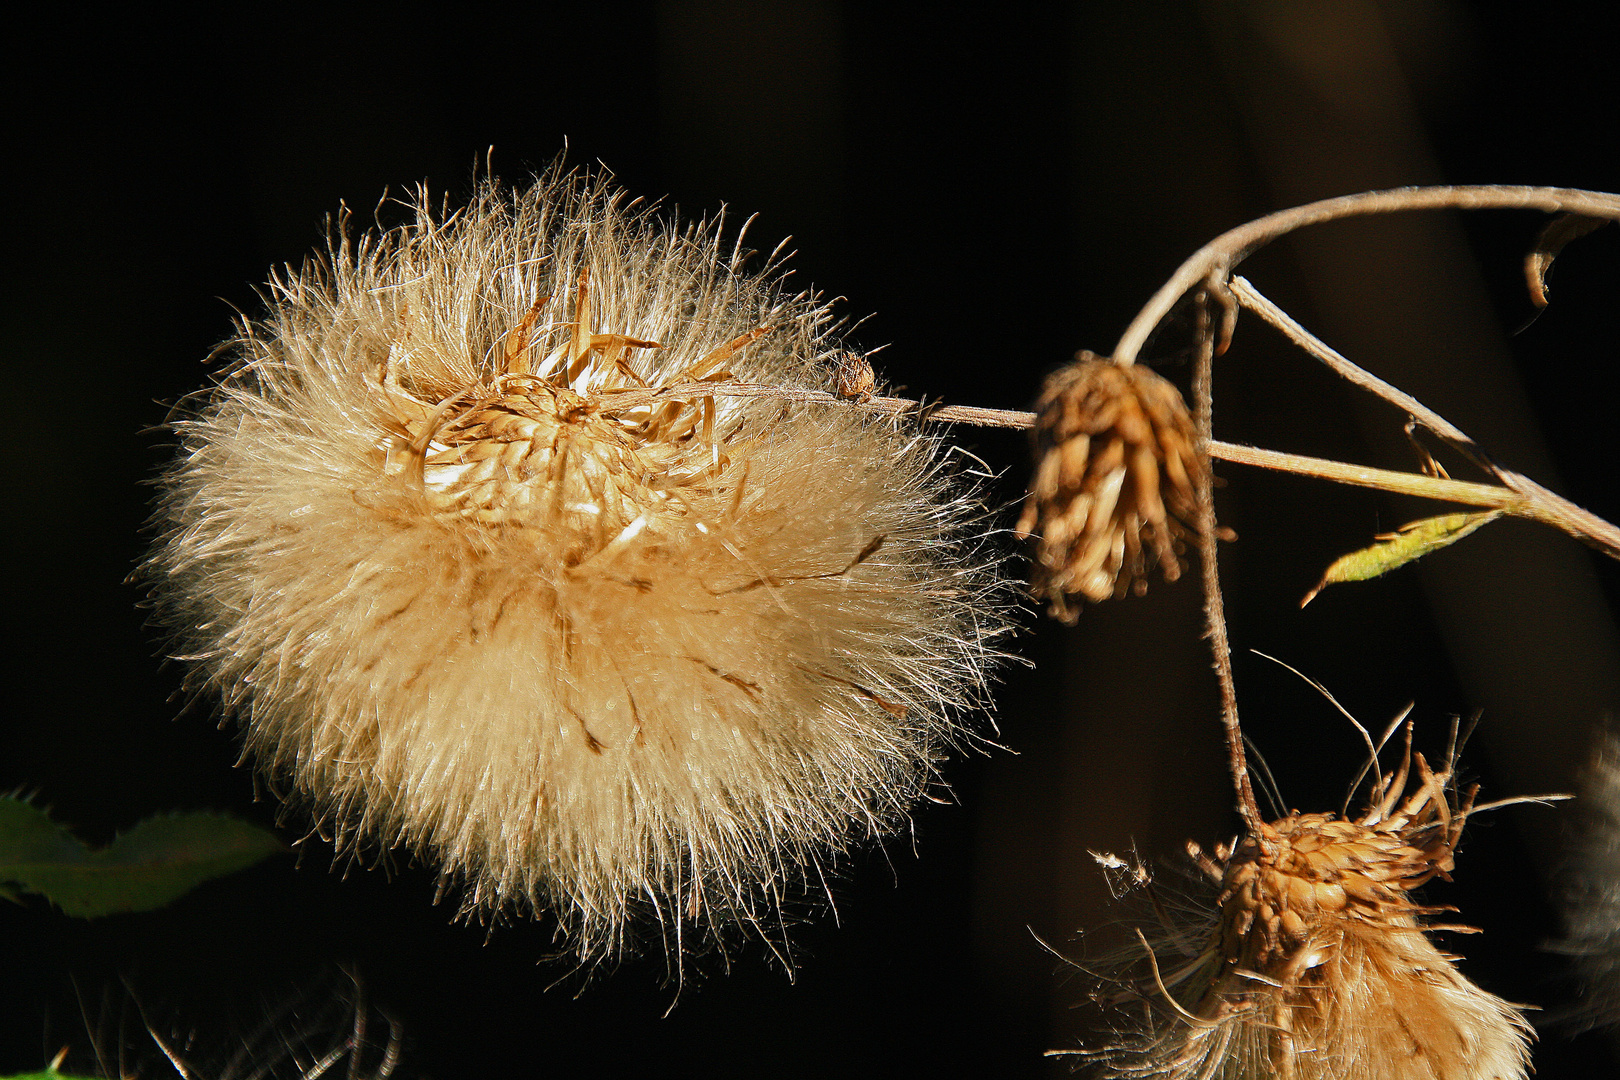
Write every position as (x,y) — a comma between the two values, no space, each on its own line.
(1317,965)
(1116,463)
(485,570)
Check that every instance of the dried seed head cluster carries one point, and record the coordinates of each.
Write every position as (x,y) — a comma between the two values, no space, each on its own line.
(1317,965)
(1114,480)
(484,568)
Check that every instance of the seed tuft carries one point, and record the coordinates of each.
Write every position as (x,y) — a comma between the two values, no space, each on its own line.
(471,542)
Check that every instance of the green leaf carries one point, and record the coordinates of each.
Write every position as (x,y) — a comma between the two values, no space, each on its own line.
(49,1072)
(158,860)
(1412,541)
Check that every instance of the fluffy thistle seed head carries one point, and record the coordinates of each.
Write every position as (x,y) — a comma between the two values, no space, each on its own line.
(485,568)
(1114,481)
(1316,965)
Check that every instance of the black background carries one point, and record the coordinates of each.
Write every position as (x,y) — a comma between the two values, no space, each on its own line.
(995,190)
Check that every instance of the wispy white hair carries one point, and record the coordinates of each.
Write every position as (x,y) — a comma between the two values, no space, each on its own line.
(1591,893)
(586,656)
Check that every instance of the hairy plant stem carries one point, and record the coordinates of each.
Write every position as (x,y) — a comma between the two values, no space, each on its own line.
(1517,495)
(1220,646)
(630,398)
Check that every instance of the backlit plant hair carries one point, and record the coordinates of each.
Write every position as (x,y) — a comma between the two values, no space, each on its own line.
(327,1031)
(467,540)
(1591,894)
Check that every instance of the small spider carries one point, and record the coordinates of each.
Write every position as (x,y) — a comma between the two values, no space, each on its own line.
(855,377)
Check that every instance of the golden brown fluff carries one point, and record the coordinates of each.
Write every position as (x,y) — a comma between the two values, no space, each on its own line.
(1316,963)
(1591,893)
(484,569)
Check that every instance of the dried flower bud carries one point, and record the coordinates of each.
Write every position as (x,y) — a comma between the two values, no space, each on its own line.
(1114,482)
(1317,965)
(484,569)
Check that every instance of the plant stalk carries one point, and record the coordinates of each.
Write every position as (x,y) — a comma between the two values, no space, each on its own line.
(1213,263)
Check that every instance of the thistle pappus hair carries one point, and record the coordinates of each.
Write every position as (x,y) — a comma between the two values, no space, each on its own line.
(484,568)
(330,1029)
(1591,893)
(1315,962)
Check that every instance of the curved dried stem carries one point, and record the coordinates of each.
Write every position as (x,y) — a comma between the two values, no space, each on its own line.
(1210,270)
(1213,263)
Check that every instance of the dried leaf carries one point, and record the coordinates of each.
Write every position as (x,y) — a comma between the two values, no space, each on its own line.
(1560,231)
(157,861)
(1409,542)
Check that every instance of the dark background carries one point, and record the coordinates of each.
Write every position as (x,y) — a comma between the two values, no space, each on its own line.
(995,190)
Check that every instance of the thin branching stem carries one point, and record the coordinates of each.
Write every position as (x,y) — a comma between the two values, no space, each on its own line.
(1517,495)
(1211,267)
(1261,305)
(1212,264)
(632,397)
(1533,501)
(1443,489)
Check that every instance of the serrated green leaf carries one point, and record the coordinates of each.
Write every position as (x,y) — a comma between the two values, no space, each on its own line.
(27,834)
(157,861)
(1409,542)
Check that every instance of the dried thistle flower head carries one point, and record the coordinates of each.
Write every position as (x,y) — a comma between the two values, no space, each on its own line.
(485,569)
(1318,965)
(1116,462)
